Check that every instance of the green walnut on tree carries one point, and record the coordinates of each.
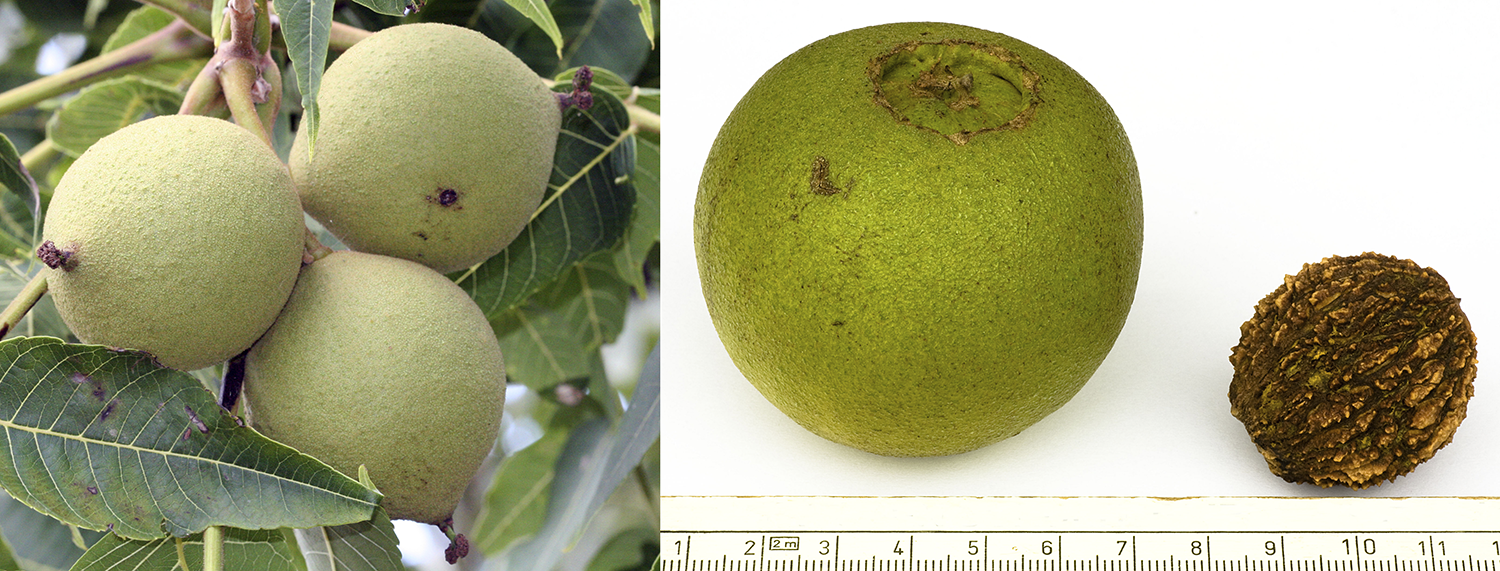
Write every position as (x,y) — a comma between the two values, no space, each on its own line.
(179,245)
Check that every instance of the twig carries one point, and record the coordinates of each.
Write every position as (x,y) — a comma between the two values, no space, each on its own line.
(239,77)
(176,41)
(204,93)
(342,36)
(23,302)
(195,14)
(643,119)
(314,248)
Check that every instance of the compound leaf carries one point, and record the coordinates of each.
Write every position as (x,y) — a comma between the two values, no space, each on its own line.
(365,546)
(539,14)
(645,229)
(555,336)
(598,33)
(21,203)
(646,23)
(106,107)
(389,7)
(107,440)
(39,542)
(305,25)
(142,22)
(634,548)
(586,210)
(594,462)
(516,504)
(244,550)
(7,557)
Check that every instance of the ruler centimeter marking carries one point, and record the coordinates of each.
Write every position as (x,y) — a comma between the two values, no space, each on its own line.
(1111,550)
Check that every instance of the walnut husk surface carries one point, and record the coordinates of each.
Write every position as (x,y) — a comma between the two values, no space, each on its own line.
(1353,371)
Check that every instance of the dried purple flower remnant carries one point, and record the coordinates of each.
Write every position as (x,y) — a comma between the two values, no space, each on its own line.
(581,96)
(55,258)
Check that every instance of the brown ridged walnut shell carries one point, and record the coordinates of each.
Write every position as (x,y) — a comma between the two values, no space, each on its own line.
(1354,371)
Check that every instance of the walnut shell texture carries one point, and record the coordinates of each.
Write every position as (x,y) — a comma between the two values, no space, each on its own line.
(1353,371)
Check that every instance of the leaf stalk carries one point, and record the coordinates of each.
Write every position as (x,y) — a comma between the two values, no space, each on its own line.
(23,302)
(213,548)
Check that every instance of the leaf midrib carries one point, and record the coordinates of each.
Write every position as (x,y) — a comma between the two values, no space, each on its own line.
(9,424)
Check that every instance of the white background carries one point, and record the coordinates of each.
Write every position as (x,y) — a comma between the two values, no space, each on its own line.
(1268,135)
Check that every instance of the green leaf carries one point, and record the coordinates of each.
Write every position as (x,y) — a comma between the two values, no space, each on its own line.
(105,439)
(646,23)
(7,557)
(594,462)
(516,504)
(219,31)
(388,7)
(106,107)
(455,12)
(365,546)
(556,335)
(645,229)
(40,542)
(244,550)
(539,14)
(305,25)
(586,210)
(630,550)
(142,22)
(597,33)
(20,204)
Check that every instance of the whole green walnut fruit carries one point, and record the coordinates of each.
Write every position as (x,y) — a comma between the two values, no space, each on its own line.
(434,144)
(918,239)
(182,237)
(382,362)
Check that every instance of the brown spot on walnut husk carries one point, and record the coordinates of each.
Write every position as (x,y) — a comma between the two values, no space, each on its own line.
(445,197)
(1353,371)
(821,183)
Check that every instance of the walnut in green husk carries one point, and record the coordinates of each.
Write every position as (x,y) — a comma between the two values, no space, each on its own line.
(1354,371)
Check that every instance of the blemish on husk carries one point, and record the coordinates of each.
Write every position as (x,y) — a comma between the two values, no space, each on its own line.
(821,183)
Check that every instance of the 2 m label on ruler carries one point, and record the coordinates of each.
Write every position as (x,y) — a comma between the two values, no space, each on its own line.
(1079,534)
(1079,551)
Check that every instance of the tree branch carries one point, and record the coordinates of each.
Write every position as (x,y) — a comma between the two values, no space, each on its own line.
(23,302)
(175,42)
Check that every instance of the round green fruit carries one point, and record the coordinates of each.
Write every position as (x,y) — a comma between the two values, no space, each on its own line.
(918,239)
(183,238)
(382,362)
(434,144)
